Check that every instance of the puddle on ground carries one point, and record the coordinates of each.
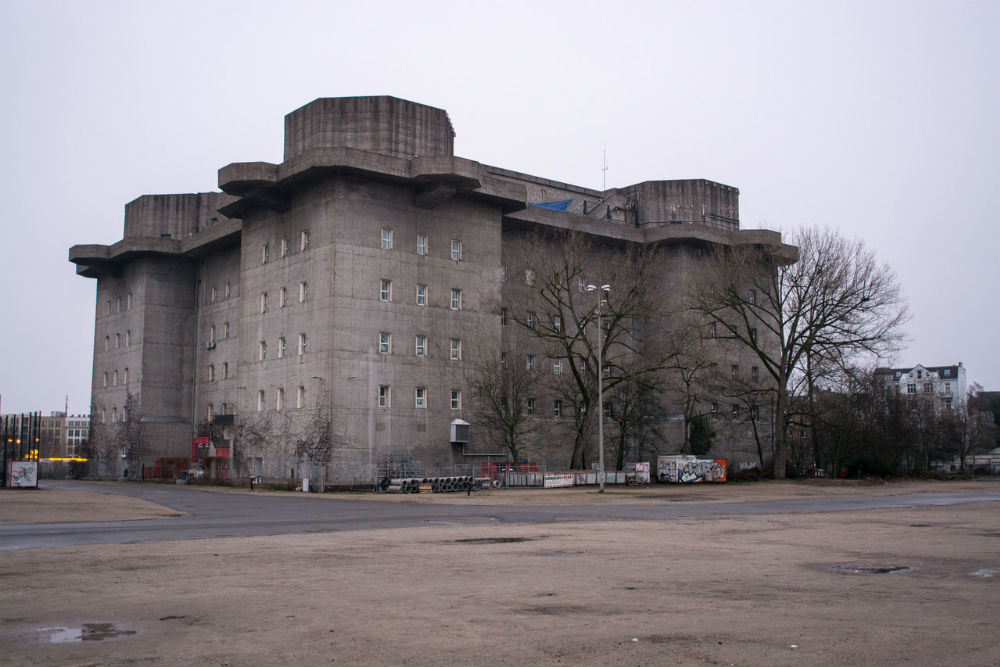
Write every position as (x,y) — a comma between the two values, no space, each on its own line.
(88,632)
(868,568)
(491,540)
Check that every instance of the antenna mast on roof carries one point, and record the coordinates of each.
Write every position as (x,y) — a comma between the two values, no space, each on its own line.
(604,176)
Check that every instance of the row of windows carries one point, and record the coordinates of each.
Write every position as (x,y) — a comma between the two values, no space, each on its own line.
(282,347)
(283,296)
(114,378)
(227,291)
(419,346)
(211,334)
(283,247)
(713,331)
(223,372)
(118,304)
(734,372)
(279,399)
(114,415)
(420,397)
(423,244)
(118,338)
(385,294)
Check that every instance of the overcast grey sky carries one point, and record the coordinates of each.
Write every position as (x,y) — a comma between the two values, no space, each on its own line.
(879,119)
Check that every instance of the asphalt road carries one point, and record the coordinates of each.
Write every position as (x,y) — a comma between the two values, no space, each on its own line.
(214,515)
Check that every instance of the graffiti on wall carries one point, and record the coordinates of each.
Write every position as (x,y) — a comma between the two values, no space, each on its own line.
(690,469)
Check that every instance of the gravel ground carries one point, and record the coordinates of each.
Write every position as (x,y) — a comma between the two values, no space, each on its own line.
(900,586)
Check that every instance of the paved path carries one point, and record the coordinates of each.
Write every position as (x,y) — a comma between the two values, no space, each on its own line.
(213,515)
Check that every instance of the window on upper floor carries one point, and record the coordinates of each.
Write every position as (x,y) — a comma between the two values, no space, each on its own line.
(281,347)
(265,253)
(557,408)
(282,297)
(384,396)
(211,295)
(385,342)
(529,406)
(304,240)
(263,302)
(456,250)
(386,238)
(303,291)
(260,400)
(262,350)
(420,397)
(211,373)
(556,366)
(456,349)
(279,399)
(385,290)
(421,295)
(225,370)
(529,362)
(421,244)
(300,397)
(228,289)
(302,344)
(284,247)
(755,374)
(456,299)
(456,399)
(420,346)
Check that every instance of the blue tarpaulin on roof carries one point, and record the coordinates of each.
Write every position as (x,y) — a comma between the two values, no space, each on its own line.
(553,205)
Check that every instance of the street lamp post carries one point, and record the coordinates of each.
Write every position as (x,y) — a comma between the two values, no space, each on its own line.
(601,291)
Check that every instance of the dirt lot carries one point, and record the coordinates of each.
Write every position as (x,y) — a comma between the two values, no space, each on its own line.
(812,589)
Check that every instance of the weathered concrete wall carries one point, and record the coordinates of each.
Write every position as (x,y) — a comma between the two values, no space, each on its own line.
(384,125)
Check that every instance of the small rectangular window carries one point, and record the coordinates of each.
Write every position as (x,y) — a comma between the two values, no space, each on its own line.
(530,406)
(263,302)
(284,247)
(384,395)
(503,273)
(281,347)
(260,400)
(755,374)
(753,296)
(225,370)
(225,329)
(421,244)
(128,338)
(556,322)
(211,335)
(262,350)
(712,330)
(556,366)
(211,412)
(118,305)
(503,316)
(304,239)
(282,297)
(125,376)
(279,399)
(115,383)
(420,397)
(529,362)
(264,254)
(385,342)
(302,344)
(386,238)
(456,299)
(211,372)
(581,284)
(385,290)
(529,320)
(753,335)
(303,291)
(456,399)
(107,343)
(456,349)
(300,397)
(421,295)
(503,360)
(734,372)
(557,408)
(529,277)
(456,250)
(228,289)
(420,346)
(211,295)
(128,301)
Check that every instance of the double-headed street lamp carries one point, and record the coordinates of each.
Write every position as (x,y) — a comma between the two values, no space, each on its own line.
(601,291)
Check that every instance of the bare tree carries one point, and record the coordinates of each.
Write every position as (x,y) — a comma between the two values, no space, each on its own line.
(502,390)
(835,303)
(556,310)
